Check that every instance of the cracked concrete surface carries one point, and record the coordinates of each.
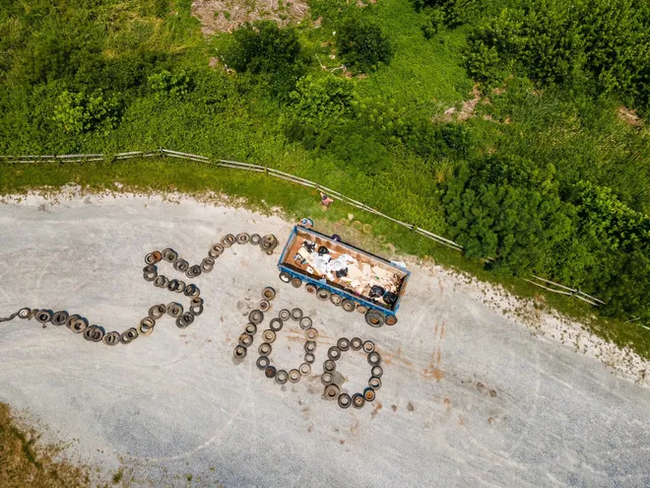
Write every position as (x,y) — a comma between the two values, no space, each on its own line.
(469,397)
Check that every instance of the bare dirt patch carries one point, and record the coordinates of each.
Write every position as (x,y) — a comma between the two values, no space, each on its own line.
(228,15)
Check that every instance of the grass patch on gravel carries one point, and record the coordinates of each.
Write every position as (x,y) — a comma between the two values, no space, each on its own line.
(23,462)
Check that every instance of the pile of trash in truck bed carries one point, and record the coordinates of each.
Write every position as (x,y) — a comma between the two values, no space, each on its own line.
(351,272)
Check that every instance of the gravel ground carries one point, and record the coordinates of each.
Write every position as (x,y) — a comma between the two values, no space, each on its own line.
(469,397)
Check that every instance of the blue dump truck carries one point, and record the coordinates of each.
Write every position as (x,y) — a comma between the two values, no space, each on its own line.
(345,275)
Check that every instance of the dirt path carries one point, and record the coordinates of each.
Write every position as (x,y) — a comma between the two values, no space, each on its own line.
(469,396)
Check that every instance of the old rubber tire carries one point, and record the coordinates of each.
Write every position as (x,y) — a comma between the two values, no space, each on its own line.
(391,320)
(322,294)
(285,277)
(375,318)
(336,299)
(296,282)
(268,293)
(348,305)
(311,288)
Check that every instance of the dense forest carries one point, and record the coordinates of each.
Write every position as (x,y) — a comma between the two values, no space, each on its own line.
(515,127)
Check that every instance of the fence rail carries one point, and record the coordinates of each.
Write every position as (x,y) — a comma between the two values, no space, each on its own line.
(83,158)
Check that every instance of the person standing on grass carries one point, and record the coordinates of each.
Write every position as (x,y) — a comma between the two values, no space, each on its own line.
(325,201)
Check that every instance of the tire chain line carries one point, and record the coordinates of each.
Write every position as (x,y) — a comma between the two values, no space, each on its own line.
(332,387)
(95,333)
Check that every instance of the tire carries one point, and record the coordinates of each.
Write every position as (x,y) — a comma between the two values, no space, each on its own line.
(362,309)
(269,336)
(265,349)
(311,288)
(172,285)
(184,320)
(305,369)
(310,346)
(334,353)
(44,316)
(174,309)
(294,376)
(331,392)
(270,372)
(148,259)
(239,352)
(322,294)
(180,288)
(276,325)
(281,376)
(129,335)
(207,265)
(310,358)
(216,251)
(250,329)
(71,319)
(311,334)
(284,315)
(305,323)
(356,343)
(112,338)
(374,383)
(146,326)
(196,306)
(60,318)
(157,311)
(329,366)
(246,340)
(296,282)
(296,314)
(23,313)
(228,240)
(368,347)
(336,299)
(285,277)
(326,378)
(169,255)
(181,265)
(374,359)
(255,239)
(79,325)
(377,371)
(264,305)
(268,293)
(343,344)
(375,318)
(348,305)
(158,281)
(358,400)
(190,290)
(195,270)
(391,320)
(256,317)
(369,394)
(94,333)
(263,362)
(344,400)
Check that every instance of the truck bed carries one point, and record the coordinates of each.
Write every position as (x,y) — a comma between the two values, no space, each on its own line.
(365,269)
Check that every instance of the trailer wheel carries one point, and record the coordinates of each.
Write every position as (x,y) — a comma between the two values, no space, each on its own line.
(285,277)
(336,299)
(348,305)
(362,309)
(311,288)
(391,320)
(375,318)
(322,294)
(296,282)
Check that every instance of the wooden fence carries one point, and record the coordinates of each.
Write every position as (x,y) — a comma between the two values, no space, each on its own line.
(84,158)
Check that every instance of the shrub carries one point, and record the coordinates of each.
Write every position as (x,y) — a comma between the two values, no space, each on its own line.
(434,22)
(362,45)
(324,98)
(166,84)
(77,113)
(262,48)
